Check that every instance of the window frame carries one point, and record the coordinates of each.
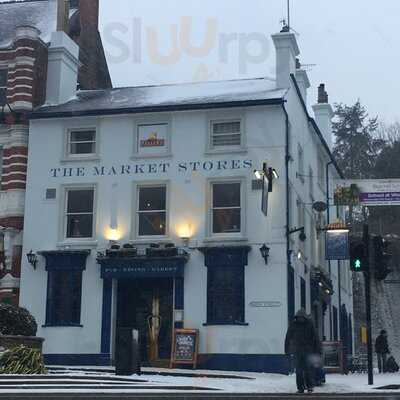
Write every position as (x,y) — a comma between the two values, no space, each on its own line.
(5,69)
(164,120)
(212,122)
(225,116)
(210,208)
(68,142)
(239,272)
(64,221)
(136,219)
(49,318)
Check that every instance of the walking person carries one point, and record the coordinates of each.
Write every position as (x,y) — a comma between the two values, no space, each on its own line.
(303,342)
(382,350)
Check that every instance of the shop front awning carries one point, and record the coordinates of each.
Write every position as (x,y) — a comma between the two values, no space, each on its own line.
(142,267)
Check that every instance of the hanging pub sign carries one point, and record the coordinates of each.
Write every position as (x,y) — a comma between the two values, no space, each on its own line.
(185,347)
(337,245)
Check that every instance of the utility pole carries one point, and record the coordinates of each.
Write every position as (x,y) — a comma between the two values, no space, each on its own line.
(367,275)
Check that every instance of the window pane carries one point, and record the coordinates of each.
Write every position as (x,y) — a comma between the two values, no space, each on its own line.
(152,198)
(226,127)
(226,195)
(225,297)
(3,78)
(79,226)
(83,136)
(64,297)
(3,96)
(226,140)
(226,221)
(82,148)
(152,224)
(80,201)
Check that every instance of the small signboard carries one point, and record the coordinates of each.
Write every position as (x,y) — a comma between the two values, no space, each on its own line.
(337,245)
(185,347)
(332,353)
(264,199)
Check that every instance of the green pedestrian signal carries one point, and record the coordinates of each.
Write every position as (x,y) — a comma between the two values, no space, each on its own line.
(358,254)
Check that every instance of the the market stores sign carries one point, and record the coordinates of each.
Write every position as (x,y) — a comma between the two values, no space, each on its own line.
(151,168)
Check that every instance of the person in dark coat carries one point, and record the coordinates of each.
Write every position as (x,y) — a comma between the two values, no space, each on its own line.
(382,350)
(302,340)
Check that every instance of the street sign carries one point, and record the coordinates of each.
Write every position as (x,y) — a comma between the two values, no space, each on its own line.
(374,192)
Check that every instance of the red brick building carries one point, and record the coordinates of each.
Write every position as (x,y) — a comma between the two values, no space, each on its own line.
(25,52)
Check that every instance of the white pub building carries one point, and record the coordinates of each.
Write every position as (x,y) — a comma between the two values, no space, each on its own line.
(144,211)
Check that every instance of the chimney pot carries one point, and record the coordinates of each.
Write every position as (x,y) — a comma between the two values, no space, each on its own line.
(323,97)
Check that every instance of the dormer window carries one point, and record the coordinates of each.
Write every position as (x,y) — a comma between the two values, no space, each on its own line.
(3,87)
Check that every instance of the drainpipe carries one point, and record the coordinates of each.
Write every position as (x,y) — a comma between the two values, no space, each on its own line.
(329,261)
(287,161)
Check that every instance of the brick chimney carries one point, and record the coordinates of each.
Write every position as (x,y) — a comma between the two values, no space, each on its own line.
(89,12)
(323,113)
(287,50)
(63,16)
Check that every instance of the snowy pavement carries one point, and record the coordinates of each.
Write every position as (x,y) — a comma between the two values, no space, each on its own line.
(262,383)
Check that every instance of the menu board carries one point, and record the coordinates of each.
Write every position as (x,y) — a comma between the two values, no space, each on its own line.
(333,356)
(185,347)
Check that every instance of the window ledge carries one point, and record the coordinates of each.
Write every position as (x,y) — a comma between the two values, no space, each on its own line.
(147,241)
(80,243)
(226,324)
(211,152)
(62,326)
(80,159)
(150,156)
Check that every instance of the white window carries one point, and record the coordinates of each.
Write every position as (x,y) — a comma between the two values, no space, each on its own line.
(300,163)
(226,208)
(226,134)
(81,142)
(152,211)
(79,213)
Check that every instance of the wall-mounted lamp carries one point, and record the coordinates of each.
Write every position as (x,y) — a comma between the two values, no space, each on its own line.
(264,250)
(299,255)
(302,234)
(32,259)
(269,173)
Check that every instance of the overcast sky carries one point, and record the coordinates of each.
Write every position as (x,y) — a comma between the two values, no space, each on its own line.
(354,44)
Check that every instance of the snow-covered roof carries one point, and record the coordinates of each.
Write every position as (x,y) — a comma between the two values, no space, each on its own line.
(176,96)
(41,14)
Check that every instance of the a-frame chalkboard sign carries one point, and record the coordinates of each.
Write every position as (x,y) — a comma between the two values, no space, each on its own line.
(185,347)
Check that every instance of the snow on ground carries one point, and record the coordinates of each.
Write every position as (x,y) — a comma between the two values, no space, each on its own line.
(273,383)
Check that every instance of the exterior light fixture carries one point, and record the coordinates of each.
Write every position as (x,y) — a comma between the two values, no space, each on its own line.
(258,174)
(275,174)
(32,259)
(302,235)
(264,250)
(299,255)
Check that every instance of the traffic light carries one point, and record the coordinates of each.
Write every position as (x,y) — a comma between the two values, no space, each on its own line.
(381,258)
(358,256)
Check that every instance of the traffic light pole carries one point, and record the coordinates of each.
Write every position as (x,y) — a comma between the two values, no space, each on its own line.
(367,275)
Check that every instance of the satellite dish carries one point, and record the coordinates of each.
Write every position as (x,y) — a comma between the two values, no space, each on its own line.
(320,206)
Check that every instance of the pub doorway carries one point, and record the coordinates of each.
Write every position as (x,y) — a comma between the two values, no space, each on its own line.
(147,305)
